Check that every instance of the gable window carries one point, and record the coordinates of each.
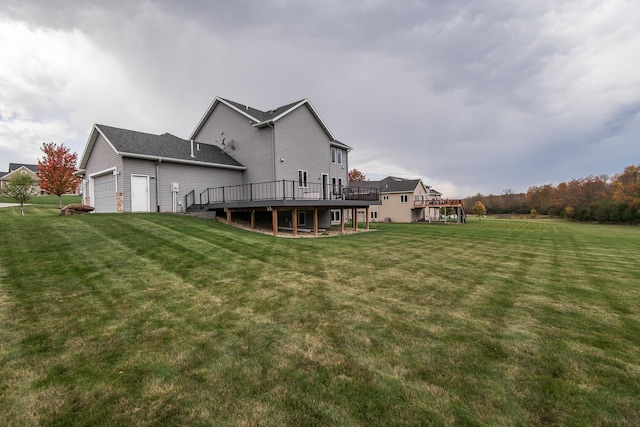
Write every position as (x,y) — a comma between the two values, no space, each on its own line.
(303,178)
(336,156)
(404,198)
(385,197)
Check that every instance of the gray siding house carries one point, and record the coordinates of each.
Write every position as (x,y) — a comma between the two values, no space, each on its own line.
(282,166)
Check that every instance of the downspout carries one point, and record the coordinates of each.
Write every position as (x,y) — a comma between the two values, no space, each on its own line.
(273,147)
(158,185)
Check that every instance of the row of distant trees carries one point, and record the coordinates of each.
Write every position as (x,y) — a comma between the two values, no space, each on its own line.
(594,198)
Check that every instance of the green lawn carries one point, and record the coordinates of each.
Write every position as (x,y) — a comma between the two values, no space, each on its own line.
(46,200)
(154,319)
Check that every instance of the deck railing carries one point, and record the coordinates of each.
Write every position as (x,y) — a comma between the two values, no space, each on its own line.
(284,190)
(422,201)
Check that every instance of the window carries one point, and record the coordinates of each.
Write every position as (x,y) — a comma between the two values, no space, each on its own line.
(336,155)
(404,198)
(339,185)
(335,216)
(302,218)
(303,181)
(374,215)
(385,197)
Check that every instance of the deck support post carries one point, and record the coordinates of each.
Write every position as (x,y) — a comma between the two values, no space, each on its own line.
(253,219)
(294,215)
(366,214)
(355,219)
(274,221)
(228,216)
(315,221)
(342,220)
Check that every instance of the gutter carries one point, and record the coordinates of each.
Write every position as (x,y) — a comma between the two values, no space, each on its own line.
(186,162)
(157,185)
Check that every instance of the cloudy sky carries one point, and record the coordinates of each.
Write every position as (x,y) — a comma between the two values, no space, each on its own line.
(471,96)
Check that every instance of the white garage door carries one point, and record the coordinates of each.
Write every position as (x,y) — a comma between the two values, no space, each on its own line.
(104,192)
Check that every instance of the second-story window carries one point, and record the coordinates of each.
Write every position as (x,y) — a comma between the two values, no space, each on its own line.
(303,178)
(404,198)
(336,155)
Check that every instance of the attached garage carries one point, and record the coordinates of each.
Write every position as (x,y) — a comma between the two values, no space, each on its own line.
(104,193)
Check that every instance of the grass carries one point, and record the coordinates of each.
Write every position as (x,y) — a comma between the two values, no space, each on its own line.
(46,200)
(151,319)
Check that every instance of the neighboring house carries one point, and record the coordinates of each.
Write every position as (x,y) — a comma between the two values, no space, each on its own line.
(19,168)
(408,200)
(238,160)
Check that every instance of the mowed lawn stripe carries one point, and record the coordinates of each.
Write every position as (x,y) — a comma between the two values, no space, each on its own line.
(165,319)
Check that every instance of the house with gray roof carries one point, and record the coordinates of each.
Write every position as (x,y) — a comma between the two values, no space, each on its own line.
(282,166)
(19,168)
(408,200)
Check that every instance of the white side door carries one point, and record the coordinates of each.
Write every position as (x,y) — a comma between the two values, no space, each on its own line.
(139,193)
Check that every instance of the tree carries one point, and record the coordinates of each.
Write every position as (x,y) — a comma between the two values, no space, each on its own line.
(56,170)
(626,186)
(21,188)
(479,209)
(356,176)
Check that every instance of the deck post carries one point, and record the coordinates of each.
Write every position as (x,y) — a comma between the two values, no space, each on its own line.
(315,221)
(366,214)
(294,214)
(253,219)
(355,219)
(274,221)
(342,221)
(228,216)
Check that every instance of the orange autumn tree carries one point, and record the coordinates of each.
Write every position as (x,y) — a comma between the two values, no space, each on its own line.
(356,176)
(626,186)
(56,170)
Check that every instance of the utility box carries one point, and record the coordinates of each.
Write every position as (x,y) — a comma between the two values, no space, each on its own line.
(175,187)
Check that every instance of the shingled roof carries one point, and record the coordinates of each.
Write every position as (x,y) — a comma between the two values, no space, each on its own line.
(392,184)
(167,147)
(267,118)
(15,166)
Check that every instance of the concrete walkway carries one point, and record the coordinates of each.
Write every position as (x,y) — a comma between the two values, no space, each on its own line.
(8,205)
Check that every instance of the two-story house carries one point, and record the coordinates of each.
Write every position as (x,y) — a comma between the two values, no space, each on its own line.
(408,200)
(283,166)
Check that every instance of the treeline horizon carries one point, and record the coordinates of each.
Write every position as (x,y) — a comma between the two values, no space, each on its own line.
(599,198)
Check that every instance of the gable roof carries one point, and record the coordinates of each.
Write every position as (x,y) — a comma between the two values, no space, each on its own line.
(15,166)
(21,168)
(166,147)
(266,118)
(393,184)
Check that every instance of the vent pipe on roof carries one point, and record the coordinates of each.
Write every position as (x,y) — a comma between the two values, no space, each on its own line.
(192,155)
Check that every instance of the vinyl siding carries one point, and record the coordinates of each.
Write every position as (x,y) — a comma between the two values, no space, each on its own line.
(303,144)
(138,167)
(253,146)
(103,157)
(190,177)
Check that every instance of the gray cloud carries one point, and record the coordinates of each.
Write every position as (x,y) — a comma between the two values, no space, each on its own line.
(470,96)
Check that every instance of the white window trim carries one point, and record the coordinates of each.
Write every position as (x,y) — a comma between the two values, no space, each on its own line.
(303,178)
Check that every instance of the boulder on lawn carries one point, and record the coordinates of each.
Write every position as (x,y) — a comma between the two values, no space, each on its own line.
(76,209)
